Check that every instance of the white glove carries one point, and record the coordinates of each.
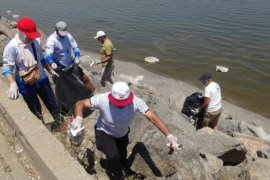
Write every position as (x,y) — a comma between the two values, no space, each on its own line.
(195,111)
(53,73)
(77,123)
(54,66)
(97,62)
(13,92)
(173,142)
(76,61)
(75,132)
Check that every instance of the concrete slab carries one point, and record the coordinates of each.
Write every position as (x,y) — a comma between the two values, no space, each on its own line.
(10,167)
(46,152)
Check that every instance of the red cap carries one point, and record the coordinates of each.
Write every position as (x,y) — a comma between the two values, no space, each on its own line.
(28,27)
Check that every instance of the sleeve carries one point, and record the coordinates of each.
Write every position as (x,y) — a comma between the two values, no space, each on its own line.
(74,46)
(108,49)
(207,92)
(95,100)
(141,105)
(9,56)
(49,50)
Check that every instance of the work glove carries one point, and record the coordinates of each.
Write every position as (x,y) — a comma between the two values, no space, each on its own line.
(75,130)
(53,73)
(54,66)
(13,92)
(76,61)
(77,122)
(195,111)
(173,142)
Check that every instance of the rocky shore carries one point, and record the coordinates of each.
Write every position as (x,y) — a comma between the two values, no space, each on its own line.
(240,150)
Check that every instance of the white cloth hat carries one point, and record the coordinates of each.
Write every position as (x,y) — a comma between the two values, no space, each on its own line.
(120,94)
(61,27)
(100,34)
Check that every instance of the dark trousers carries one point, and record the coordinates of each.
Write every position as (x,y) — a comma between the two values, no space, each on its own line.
(45,93)
(115,150)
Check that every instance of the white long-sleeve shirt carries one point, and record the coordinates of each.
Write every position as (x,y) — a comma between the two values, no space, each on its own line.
(58,49)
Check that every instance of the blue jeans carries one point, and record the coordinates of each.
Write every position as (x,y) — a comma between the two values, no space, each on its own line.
(45,93)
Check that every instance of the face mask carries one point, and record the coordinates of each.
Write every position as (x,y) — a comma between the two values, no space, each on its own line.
(23,37)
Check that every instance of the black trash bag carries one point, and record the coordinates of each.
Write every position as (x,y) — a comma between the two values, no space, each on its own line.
(192,102)
(69,88)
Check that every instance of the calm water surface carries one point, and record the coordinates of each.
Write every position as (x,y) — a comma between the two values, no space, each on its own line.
(188,36)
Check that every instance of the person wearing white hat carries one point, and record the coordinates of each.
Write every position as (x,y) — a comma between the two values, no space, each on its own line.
(58,52)
(106,59)
(117,110)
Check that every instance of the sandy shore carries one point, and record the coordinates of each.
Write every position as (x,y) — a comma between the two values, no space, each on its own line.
(168,88)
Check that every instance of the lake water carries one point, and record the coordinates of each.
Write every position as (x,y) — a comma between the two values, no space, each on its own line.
(188,36)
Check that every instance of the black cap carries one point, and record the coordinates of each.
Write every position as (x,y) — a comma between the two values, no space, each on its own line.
(205,76)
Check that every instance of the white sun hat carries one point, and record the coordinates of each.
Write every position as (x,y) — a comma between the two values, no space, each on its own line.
(100,34)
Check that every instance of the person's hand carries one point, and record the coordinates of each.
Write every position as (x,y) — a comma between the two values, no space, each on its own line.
(77,122)
(76,61)
(54,66)
(53,73)
(13,92)
(97,62)
(195,111)
(173,142)
(75,132)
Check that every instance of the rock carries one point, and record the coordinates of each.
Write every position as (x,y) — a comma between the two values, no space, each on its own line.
(228,126)
(138,80)
(259,132)
(258,169)
(149,154)
(230,173)
(176,102)
(253,147)
(3,42)
(212,165)
(264,153)
(228,149)
(245,128)
(6,28)
(222,69)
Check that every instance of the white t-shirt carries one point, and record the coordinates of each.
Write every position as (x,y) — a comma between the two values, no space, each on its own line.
(113,120)
(213,91)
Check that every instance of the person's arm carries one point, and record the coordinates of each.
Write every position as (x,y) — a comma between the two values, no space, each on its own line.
(155,119)
(152,117)
(205,103)
(80,106)
(8,67)
(107,59)
(75,48)
(49,50)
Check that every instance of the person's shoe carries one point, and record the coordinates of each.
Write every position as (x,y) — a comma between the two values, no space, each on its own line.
(103,83)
